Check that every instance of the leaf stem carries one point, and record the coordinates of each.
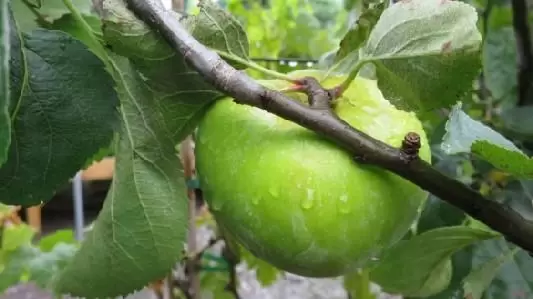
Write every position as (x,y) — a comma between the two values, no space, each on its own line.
(255,66)
(353,74)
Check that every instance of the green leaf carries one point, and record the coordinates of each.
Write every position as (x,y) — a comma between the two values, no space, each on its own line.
(499,63)
(350,4)
(500,16)
(5,45)
(46,265)
(16,236)
(266,273)
(28,263)
(425,53)
(479,279)
(15,265)
(438,213)
(358,34)
(141,229)
(421,265)
(229,36)
(47,243)
(518,122)
(48,10)
(65,113)
(69,24)
(465,135)
(142,225)
(461,266)
(358,285)
(510,161)
(514,279)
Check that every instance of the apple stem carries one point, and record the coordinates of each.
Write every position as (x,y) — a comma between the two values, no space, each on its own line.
(410,147)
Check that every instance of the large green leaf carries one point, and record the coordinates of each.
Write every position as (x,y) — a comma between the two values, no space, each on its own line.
(138,234)
(461,267)
(480,278)
(140,231)
(48,10)
(514,278)
(5,45)
(421,266)
(465,135)
(517,121)
(359,32)
(438,213)
(64,114)
(426,52)
(499,63)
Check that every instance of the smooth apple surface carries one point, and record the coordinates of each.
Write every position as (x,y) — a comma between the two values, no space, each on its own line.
(297,200)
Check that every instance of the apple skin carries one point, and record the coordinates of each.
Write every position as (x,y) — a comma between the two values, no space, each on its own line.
(297,200)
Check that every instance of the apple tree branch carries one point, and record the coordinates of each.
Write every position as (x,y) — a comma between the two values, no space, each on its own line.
(364,148)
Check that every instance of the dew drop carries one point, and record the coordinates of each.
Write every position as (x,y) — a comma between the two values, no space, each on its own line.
(202,139)
(308,201)
(217,205)
(255,200)
(344,206)
(273,191)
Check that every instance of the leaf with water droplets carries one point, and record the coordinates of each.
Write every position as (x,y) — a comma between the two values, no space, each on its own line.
(425,52)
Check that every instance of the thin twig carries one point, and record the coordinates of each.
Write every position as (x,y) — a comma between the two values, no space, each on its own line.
(247,91)
(187,157)
(524,52)
(233,261)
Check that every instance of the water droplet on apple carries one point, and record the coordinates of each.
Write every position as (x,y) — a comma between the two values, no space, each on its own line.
(344,206)
(273,191)
(217,205)
(308,201)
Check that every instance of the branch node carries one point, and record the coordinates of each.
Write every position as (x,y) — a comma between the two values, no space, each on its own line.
(410,147)
(319,98)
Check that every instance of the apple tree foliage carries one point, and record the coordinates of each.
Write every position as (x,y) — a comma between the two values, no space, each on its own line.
(76,85)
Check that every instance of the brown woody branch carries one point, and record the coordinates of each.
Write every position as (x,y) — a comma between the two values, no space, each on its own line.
(247,91)
(524,52)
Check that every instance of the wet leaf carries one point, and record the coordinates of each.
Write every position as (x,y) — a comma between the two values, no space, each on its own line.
(499,62)
(466,135)
(426,53)
(514,279)
(421,266)
(480,278)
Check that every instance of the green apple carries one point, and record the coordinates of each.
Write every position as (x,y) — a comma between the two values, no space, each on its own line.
(294,198)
